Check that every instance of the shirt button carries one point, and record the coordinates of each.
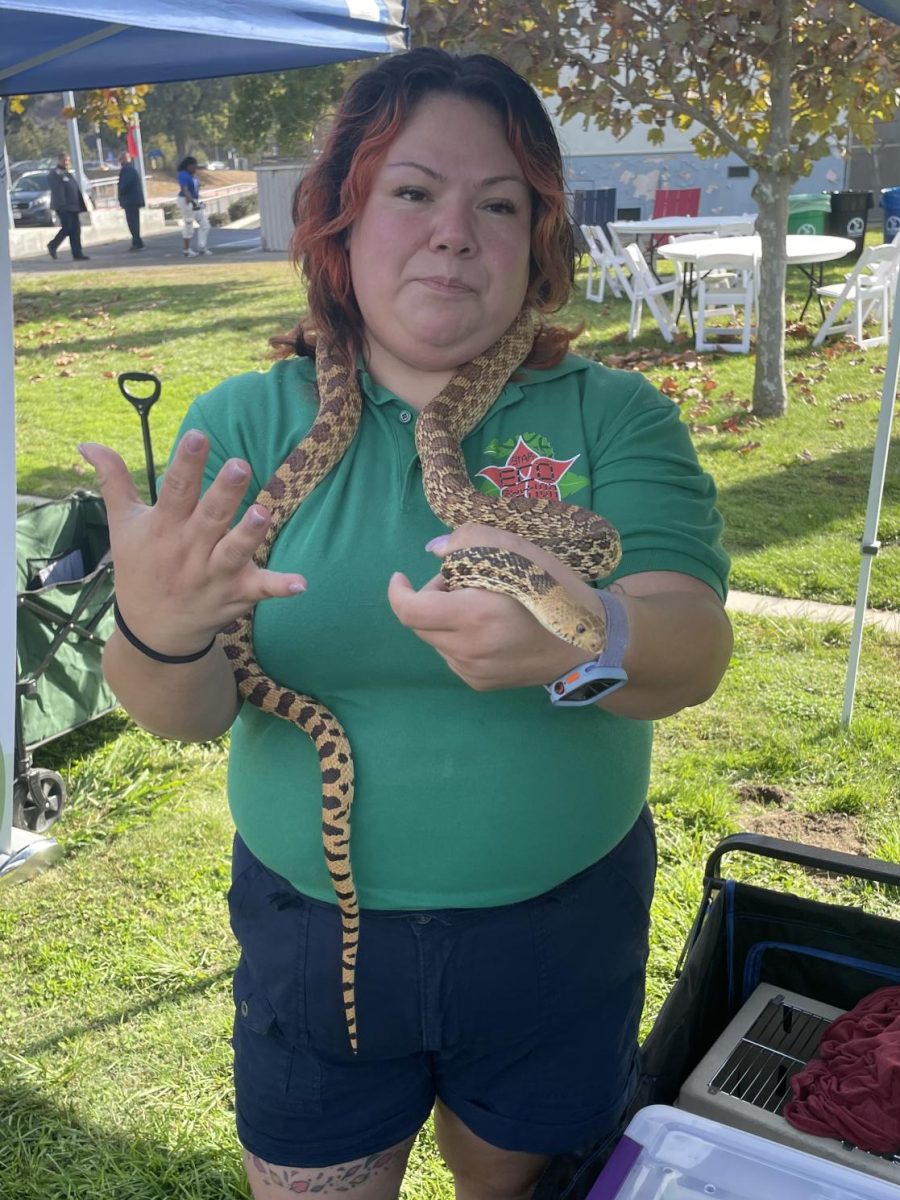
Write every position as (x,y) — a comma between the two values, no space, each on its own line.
(405,416)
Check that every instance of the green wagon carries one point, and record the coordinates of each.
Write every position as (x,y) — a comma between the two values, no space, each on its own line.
(64,590)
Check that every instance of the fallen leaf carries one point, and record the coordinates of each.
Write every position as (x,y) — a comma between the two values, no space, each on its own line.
(805,456)
(748,446)
(64,360)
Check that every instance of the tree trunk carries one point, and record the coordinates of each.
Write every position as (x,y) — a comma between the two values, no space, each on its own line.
(769,388)
(771,192)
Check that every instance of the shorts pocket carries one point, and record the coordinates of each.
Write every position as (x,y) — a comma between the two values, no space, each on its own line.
(270,921)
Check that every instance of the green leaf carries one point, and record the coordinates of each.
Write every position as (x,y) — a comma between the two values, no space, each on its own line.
(569,484)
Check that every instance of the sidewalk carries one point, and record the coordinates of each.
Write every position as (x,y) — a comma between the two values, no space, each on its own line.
(808,610)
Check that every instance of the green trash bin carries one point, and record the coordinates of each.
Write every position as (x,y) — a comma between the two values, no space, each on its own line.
(807,212)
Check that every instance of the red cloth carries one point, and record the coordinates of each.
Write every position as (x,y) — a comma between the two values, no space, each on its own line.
(131,142)
(852,1090)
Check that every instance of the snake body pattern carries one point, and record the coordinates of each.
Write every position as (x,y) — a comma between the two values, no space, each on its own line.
(580,538)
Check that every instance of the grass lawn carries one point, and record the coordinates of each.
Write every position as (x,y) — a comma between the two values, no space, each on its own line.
(114,1061)
(793,490)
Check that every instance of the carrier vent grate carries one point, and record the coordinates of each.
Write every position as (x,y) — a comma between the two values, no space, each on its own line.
(779,1043)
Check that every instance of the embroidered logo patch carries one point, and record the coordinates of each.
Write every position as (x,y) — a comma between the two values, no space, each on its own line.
(530,470)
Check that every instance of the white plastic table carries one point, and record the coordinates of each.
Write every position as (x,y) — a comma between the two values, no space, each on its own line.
(679,225)
(808,251)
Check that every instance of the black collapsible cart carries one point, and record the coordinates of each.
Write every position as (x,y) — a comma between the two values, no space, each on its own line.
(745,935)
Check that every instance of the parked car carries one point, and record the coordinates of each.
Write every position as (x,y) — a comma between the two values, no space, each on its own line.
(30,200)
(215,166)
(26,165)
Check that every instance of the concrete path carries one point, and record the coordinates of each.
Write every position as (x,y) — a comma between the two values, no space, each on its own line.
(163,249)
(808,610)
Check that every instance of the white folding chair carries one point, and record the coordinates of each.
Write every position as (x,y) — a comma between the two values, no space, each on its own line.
(603,266)
(868,290)
(647,289)
(726,288)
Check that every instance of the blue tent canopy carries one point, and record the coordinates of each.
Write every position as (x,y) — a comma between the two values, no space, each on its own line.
(889,9)
(62,45)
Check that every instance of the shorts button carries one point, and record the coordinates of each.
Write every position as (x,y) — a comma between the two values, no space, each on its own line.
(422,918)
(245,1009)
(405,417)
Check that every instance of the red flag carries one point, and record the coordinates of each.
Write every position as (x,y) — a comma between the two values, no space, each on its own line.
(131,142)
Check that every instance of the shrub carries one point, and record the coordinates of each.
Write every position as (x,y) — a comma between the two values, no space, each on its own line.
(243,207)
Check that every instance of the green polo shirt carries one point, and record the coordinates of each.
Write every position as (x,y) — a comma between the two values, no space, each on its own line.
(463,799)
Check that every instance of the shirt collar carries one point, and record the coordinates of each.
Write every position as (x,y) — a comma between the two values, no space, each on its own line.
(511,394)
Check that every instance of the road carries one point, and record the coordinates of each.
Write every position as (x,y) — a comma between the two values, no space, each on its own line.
(161,250)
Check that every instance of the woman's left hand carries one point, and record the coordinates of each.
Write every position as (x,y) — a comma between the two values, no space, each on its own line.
(488,639)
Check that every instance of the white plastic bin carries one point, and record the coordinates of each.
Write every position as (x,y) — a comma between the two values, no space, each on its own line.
(668,1154)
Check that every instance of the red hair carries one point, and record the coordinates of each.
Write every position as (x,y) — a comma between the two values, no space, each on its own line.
(333,193)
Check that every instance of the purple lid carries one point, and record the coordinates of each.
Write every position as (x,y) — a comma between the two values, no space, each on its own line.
(616,1171)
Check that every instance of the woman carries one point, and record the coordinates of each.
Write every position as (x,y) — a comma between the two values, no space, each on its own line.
(502,848)
(192,208)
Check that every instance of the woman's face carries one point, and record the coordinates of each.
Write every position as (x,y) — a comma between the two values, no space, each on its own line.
(439,257)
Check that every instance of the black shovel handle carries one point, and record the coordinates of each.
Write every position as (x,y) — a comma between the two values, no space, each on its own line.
(143,404)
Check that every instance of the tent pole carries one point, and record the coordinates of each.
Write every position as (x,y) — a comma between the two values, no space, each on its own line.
(7,509)
(870,543)
(21,853)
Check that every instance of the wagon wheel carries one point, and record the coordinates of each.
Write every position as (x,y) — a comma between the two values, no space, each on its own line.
(38,801)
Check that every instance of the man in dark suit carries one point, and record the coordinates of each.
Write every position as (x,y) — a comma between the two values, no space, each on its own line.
(131,198)
(67,202)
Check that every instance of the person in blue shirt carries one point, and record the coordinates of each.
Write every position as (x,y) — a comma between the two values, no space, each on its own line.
(131,198)
(191,207)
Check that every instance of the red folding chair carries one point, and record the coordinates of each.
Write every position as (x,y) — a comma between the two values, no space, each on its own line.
(673,202)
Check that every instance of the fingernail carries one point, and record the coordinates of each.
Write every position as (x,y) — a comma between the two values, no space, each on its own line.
(438,543)
(236,472)
(193,439)
(297,586)
(257,516)
(84,449)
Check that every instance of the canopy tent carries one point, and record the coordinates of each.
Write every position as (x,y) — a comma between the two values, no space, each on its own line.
(57,45)
(889,9)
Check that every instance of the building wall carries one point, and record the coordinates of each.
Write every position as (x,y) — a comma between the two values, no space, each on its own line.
(636,178)
(594,159)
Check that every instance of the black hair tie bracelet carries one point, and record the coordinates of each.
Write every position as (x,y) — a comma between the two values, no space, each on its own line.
(155,654)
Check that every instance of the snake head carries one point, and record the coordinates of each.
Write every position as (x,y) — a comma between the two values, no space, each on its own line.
(580,628)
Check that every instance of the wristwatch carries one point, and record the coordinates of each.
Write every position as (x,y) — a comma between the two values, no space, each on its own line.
(601,675)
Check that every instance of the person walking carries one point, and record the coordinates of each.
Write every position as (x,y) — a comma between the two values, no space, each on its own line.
(131,198)
(193,211)
(67,201)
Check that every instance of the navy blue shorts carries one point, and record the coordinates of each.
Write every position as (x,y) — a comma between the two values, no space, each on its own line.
(522,1018)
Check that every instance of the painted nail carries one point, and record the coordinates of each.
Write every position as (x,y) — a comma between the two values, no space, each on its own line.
(297,586)
(438,543)
(236,472)
(257,516)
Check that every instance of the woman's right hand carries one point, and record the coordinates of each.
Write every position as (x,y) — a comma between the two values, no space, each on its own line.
(182,573)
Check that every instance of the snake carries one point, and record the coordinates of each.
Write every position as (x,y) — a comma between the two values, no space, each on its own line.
(585,541)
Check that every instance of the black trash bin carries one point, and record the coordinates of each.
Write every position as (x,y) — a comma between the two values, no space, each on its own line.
(849,216)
